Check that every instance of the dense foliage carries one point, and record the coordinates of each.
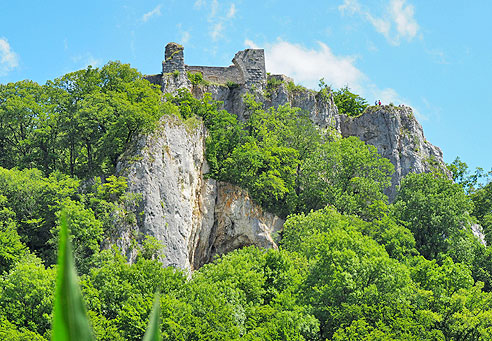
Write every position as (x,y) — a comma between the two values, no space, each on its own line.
(348,103)
(350,265)
(285,162)
(77,124)
(437,210)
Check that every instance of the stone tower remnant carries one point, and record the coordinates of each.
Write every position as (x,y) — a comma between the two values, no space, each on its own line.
(248,68)
(173,59)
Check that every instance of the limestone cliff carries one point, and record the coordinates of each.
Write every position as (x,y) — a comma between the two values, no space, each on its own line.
(195,218)
(394,131)
(322,110)
(399,137)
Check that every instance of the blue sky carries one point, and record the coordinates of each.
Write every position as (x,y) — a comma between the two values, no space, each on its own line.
(435,56)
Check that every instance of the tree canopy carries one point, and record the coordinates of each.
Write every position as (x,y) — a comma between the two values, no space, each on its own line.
(350,265)
(348,103)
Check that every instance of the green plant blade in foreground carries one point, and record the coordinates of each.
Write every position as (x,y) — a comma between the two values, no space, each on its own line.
(153,328)
(70,319)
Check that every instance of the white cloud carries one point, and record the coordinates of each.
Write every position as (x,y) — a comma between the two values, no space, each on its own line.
(403,17)
(380,25)
(84,60)
(155,12)
(185,37)
(438,56)
(396,21)
(351,6)
(216,31)
(232,11)
(219,16)
(184,34)
(213,8)
(251,44)
(8,58)
(308,66)
(198,4)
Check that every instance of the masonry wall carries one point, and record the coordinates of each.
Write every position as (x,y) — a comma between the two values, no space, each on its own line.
(251,62)
(173,58)
(220,75)
(248,68)
(154,79)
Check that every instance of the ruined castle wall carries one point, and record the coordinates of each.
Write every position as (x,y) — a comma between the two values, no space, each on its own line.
(248,69)
(154,79)
(173,58)
(220,75)
(251,62)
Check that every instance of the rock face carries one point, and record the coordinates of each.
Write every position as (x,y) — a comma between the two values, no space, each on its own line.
(321,108)
(392,130)
(195,218)
(477,231)
(198,218)
(240,222)
(399,137)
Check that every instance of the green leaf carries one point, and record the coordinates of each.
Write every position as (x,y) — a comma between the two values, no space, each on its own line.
(153,332)
(70,319)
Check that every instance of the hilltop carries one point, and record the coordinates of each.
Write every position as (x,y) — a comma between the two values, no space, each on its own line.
(259,209)
(216,217)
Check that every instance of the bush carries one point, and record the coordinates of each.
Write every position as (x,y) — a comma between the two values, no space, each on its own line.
(349,103)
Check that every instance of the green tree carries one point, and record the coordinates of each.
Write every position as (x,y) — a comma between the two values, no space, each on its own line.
(350,276)
(70,90)
(9,331)
(434,209)
(23,108)
(248,294)
(30,204)
(101,112)
(86,232)
(119,295)
(345,173)
(482,209)
(26,295)
(11,247)
(461,175)
(349,103)
(35,200)
(225,131)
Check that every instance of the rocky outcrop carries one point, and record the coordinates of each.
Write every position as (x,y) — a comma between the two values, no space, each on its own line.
(240,222)
(477,231)
(195,218)
(320,106)
(399,137)
(393,130)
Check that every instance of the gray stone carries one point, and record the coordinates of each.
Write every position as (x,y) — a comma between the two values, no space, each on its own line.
(322,111)
(173,59)
(251,64)
(477,231)
(248,68)
(240,222)
(399,137)
(192,216)
(197,218)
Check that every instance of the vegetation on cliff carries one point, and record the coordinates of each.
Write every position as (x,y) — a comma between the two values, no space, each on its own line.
(350,266)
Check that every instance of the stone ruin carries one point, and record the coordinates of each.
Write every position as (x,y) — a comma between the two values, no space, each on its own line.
(248,68)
